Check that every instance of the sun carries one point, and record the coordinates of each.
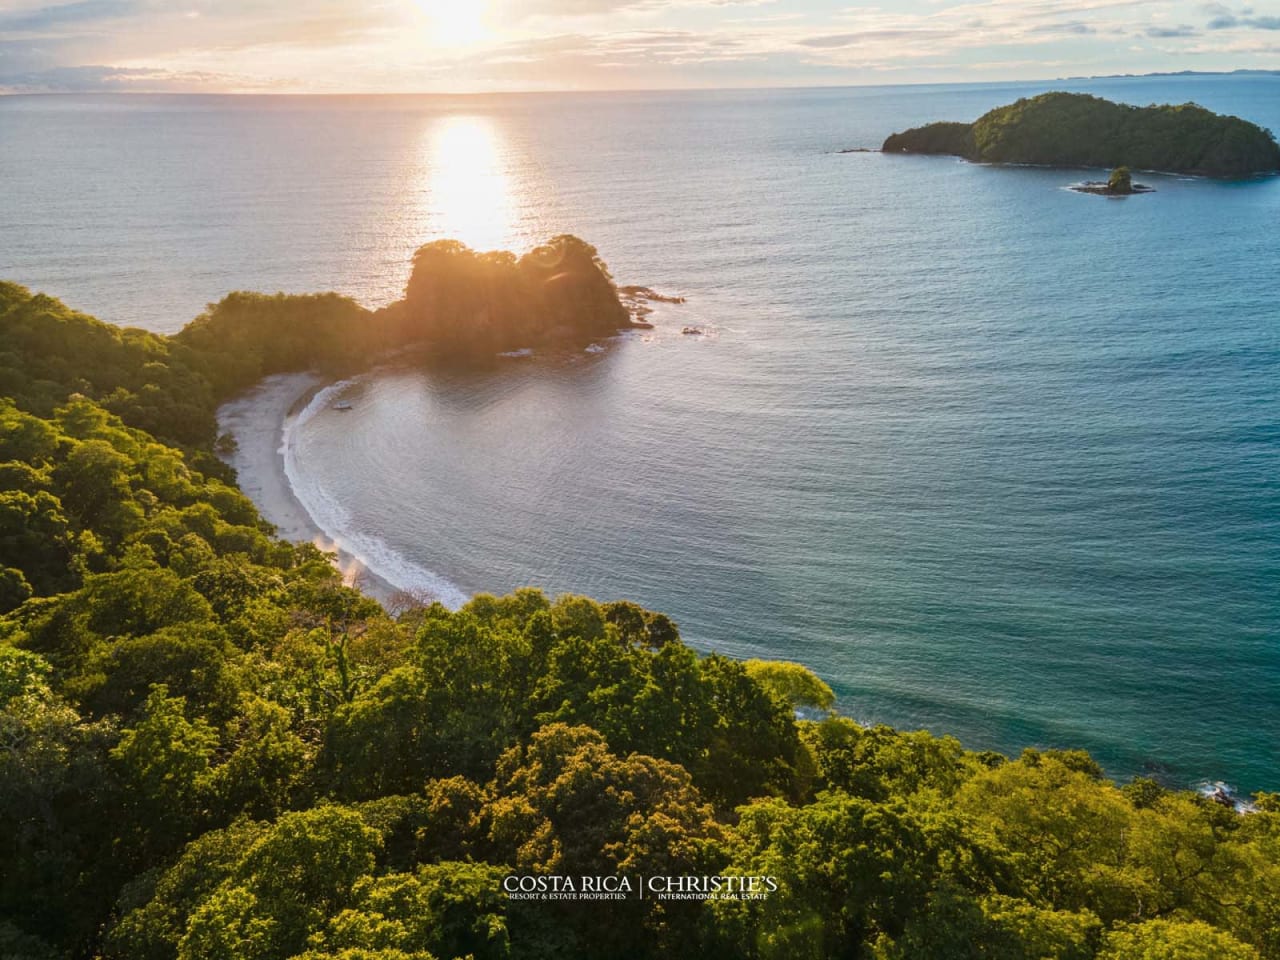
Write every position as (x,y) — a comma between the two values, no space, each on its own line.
(454,24)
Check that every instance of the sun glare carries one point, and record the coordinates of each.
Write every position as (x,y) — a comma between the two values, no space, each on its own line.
(468,187)
(454,24)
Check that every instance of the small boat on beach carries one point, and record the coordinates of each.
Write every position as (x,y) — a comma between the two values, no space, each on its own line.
(343,405)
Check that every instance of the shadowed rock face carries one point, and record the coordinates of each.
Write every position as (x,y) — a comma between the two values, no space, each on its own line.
(1078,130)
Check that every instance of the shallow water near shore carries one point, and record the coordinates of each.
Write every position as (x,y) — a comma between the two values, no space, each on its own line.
(993,457)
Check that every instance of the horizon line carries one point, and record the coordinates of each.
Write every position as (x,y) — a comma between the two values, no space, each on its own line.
(635,90)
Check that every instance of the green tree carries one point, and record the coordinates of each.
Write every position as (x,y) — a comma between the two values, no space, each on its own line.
(164,762)
(849,871)
(297,874)
(55,861)
(14,589)
(447,909)
(192,661)
(268,766)
(880,762)
(795,684)
(565,803)
(37,546)
(1174,940)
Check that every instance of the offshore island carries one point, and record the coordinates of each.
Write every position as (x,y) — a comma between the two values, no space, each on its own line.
(212,748)
(1079,130)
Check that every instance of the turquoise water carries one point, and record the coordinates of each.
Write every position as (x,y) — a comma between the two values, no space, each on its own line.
(993,457)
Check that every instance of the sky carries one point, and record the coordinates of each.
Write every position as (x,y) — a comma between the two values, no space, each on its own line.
(460,46)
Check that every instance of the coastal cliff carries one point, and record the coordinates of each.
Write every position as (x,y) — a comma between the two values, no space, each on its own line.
(1078,130)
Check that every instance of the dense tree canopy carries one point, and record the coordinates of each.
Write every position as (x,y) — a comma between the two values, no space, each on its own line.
(1078,130)
(212,748)
(48,352)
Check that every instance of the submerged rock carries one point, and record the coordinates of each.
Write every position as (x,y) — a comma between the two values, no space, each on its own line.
(638,293)
(637,299)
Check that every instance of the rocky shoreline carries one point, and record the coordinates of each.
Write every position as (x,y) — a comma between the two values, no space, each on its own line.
(637,300)
(1101,188)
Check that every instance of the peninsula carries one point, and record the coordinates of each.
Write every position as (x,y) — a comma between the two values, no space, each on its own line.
(1079,130)
(459,305)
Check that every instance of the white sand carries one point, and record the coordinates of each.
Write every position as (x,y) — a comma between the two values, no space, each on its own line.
(258,421)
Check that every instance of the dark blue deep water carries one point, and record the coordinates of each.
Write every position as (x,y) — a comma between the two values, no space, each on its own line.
(992,457)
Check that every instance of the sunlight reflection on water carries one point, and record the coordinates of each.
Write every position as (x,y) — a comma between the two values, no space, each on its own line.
(470,193)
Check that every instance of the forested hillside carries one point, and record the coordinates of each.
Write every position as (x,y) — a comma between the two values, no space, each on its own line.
(212,749)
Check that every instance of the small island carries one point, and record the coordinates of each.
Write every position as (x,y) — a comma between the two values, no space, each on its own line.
(1119,184)
(1079,130)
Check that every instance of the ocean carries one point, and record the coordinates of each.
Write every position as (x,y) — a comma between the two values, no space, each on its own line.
(992,457)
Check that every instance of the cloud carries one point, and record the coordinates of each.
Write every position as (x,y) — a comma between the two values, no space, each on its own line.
(952,36)
(571,8)
(987,25)
(1224,18)
(121,29)
(634,48)
(44,19)
(528,9)
(864,37)
(1071,28)
(98,78)
(347,45)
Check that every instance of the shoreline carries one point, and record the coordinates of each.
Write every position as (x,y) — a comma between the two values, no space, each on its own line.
(259,420)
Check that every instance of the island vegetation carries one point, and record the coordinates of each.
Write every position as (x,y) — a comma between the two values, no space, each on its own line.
(213,749)
(1079,130)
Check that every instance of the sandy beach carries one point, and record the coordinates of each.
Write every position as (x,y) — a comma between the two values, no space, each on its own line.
(258,421)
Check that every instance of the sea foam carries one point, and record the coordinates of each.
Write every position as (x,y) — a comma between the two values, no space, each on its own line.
(333,519)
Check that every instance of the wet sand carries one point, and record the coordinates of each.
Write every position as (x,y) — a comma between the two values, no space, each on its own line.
(259,421)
